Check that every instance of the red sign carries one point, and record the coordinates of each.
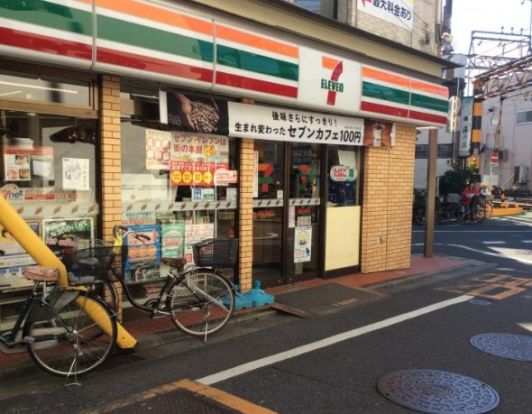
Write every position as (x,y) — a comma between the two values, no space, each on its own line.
(494,158)
(341,173)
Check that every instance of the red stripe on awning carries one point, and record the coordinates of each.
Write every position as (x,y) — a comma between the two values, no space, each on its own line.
(243,82)
(383,109)
(47,44)
(134,61)
(422,116)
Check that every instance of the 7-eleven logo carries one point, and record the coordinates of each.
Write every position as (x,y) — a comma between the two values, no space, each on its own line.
(332,85)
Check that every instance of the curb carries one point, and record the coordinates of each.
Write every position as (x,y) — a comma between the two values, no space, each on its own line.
(175,335)
(147,342)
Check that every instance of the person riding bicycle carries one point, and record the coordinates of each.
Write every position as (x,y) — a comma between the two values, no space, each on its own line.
(469,195)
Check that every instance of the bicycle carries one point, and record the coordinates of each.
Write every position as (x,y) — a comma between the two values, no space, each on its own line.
(58,328)
(481,209)
(200,300)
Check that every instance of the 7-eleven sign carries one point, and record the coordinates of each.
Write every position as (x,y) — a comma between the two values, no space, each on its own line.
(328,82)
(333,84)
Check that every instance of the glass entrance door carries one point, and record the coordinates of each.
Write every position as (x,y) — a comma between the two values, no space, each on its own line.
(286,212)
(302,259)
(268,213)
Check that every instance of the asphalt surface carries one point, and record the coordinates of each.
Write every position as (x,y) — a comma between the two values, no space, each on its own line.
(506,241)
(340,377)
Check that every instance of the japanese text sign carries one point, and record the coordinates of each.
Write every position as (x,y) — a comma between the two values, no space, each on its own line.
(398,12)
(282,124)
(195,159)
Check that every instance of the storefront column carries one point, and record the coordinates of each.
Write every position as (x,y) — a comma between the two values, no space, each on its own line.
(246,213)
(387,203)
(111,183)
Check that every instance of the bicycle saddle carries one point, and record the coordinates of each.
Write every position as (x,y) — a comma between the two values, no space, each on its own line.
(172,262)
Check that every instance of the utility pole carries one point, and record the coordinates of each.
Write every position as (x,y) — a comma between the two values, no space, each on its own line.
(431,194)
(447,13)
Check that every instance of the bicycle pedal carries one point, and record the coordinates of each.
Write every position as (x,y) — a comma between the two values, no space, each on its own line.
(28,339)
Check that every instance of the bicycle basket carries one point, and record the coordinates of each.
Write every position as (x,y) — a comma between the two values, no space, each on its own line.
(215,252)
(93,264)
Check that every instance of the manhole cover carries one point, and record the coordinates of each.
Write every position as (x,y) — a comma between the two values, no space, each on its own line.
(433,391)
(481,302)
(517,347)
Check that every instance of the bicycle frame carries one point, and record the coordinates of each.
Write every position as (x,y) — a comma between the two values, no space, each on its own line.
(8,338)
(153,305)
(159,305)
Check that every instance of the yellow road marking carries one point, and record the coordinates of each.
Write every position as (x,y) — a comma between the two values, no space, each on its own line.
(508,291)
(508,284)
(211,393)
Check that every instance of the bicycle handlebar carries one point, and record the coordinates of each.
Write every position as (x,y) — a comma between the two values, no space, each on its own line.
(139,236)
(125,232)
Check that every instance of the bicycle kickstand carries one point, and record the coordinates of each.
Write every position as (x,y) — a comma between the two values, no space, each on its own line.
(73,367)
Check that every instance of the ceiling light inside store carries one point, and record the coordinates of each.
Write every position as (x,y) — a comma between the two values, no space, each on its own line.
(10,93)
(42,88)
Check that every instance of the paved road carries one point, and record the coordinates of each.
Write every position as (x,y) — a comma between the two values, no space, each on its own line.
(506,241)
(331,363)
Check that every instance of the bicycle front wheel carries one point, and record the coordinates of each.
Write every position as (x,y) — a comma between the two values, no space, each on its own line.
(202,303)
(63,336)
(488,211)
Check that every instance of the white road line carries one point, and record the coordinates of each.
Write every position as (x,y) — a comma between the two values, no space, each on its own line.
(493,242)
(490,253)
(527,241)
(460,246)
(323,343)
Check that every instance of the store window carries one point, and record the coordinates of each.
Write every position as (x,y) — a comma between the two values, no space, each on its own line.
(343,209)
(48,173)
(179,186)
(343,176)
(41,87)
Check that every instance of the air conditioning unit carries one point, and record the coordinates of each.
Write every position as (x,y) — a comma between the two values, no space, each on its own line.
(521,174)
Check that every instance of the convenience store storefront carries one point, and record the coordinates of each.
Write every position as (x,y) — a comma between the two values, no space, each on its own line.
(191,125)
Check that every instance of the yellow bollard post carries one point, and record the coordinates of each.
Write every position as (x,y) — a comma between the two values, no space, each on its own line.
(39,251)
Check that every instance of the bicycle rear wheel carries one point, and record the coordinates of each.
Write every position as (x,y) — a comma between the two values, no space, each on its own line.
(202,303)
(64,340)
(479,213)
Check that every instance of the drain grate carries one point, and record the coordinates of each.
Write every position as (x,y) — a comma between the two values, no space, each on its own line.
(437,392)
(510,346)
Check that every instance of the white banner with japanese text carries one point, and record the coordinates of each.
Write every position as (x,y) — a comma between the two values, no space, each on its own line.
(465,125)
(282,124)
(398,12)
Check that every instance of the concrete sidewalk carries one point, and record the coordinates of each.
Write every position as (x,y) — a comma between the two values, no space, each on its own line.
(162,330)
